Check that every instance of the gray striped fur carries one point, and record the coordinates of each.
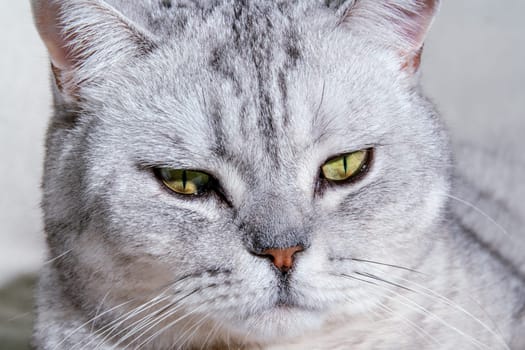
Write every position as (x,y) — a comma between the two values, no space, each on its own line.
(260,94)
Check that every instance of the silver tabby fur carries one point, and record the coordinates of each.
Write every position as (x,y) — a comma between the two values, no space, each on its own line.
(260,94)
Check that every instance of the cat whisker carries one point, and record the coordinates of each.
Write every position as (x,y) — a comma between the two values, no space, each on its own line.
(384,264)
(228,339)
(50,261)
(414,287)
(113,326)
(355,278)
(196,327)
(169,325)
(158,317)
(147,323)
(433,294)
(480,211)
(144,322)
(212,333)
(185,277)
(141,323)
(209,336)
(108,329)
(135,311)
(445,300)
(186,336)
(93,319)
(98,309)
(406,320)
(247,335)
(422,310)
(377,278)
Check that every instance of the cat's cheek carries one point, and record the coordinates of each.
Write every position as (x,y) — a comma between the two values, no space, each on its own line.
(435,202)
(135,276)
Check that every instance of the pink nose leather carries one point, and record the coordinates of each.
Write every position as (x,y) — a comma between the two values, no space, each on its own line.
(282,258)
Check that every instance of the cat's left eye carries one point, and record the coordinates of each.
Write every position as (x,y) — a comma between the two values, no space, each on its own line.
(347,166)
(186,182)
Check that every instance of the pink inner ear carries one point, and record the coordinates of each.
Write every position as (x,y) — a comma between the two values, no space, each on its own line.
(47,21)
(414,25)
(400,24)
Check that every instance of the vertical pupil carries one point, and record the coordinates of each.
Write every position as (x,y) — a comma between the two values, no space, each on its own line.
(184,179)
(345,165)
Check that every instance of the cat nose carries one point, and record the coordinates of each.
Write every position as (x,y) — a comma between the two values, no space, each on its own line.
(282,258)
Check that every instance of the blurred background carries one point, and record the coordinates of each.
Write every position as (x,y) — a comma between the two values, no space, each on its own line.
(473,68)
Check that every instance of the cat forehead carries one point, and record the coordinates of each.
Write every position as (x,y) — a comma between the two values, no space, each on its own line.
(262,59)
(260,52)
(167,18)
(254,86)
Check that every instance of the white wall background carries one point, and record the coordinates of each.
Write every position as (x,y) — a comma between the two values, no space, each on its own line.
(474,69)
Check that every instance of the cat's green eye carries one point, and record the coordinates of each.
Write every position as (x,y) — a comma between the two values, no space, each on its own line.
(187,182)
(346,166)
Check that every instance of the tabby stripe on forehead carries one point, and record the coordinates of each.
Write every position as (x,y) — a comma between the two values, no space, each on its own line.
(258,48)
(254,38)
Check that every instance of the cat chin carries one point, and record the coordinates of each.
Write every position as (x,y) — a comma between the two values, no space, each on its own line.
(277,324)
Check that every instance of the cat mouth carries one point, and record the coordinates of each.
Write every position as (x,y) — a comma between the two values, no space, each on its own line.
(289,304)
(288,300)
(285,297)
(286,303)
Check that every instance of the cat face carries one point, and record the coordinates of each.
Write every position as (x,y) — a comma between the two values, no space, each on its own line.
(259,98)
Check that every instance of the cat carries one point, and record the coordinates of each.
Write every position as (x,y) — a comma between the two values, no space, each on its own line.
(261,174)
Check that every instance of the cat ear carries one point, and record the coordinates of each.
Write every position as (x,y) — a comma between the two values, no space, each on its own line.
(401,24)
(85,38)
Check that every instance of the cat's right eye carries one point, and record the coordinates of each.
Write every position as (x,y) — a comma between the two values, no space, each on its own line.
(185,182)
